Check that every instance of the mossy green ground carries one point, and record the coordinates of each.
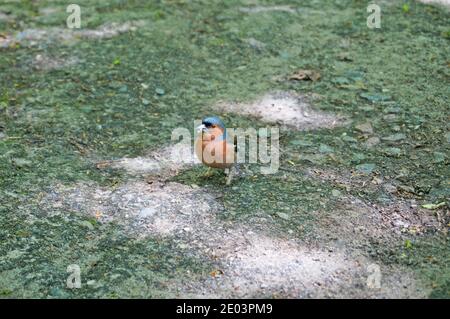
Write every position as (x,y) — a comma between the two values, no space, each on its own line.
(109,105)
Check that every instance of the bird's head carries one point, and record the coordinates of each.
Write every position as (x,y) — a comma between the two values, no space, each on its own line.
(212,124)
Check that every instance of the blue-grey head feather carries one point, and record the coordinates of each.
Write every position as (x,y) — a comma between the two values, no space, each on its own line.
(214,120)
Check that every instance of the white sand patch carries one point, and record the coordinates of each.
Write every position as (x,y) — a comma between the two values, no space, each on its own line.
(272,265)
(44,62)
(48,11)
(167,161)
(252,261)
(259,9)
(138,165)
(34,37)
(441,2)
(284,108)
(110,30)
(157,209)
(259,265)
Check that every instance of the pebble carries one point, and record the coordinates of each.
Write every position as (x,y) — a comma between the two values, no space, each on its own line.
(283,216)
(371,142)
(335,193)
(147,212)
(394,137)
(364,128)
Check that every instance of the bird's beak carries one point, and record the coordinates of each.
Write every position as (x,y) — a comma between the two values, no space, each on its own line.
(201,128)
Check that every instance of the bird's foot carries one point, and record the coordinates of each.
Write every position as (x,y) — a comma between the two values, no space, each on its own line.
(230,172)
(208,173)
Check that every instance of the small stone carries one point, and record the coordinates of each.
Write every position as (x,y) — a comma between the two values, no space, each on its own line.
(56,292)
(390,188)
(371,142)
(283,216)
(159,91)
(325,149)
(115,276)
(91,282)
(14,254)
(358,157)
(394,137)
(377,181)
(350,139)
(366,168)
(390,117)
(406,188)
(30,276)
(335,193)
(255,44)
(21,162)
(392,110)
(438,157)
(365,128)
(392,151)
(399,223)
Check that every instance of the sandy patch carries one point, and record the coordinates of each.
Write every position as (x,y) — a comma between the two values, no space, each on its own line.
(43,62)
(35,37)
(251,259)
(110,30)
(164,162)
(259,9)
(275,267)
(269,266)
(284,108)
(143,209)
(441,2)
(48,11)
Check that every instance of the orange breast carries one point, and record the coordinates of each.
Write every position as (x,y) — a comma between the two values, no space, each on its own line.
(214,153)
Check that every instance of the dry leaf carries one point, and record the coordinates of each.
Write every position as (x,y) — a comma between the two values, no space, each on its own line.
(216,273)
(102,165)
(305,75)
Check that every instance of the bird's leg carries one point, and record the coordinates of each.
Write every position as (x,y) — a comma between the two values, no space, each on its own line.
(208,172)
(230,173)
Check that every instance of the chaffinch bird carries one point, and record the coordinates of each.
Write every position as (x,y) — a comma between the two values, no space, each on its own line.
(213,148)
